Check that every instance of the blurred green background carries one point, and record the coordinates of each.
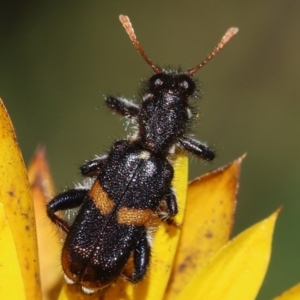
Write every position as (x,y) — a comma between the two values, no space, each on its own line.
(57,60)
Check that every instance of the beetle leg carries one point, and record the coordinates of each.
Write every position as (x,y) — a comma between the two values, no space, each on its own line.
(92,167)
(122,106)
(141,260)
(169,210)
(197,148)
(171,202)
(66,200)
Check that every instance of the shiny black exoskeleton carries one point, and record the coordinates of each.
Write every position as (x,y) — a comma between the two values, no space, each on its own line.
(129,184)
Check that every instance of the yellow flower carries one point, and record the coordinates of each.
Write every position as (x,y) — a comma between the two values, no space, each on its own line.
(195,261)
(19,265)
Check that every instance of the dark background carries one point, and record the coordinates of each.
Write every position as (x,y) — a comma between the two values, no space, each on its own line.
(57,60)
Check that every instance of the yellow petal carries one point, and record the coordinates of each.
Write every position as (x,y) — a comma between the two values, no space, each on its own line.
(236,272)
(11,283)
(49,240)
(291,294)
(211,201)
(163,250)
(71,292)
(17,200)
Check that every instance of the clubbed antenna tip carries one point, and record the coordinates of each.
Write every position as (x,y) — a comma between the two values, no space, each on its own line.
(129,29)
(225,39)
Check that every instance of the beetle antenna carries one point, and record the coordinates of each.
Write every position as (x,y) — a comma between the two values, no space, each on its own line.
(129,29)
(225,39)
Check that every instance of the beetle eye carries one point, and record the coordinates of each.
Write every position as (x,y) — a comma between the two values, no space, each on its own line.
(184,84)
(158,82)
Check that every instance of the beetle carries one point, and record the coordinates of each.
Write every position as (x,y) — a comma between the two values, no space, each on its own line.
(130,184)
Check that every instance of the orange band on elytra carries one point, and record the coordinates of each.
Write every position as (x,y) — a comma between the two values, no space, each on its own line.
(133,216)
(101,199)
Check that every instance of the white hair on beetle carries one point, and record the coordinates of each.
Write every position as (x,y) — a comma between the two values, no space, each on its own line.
(86,184)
